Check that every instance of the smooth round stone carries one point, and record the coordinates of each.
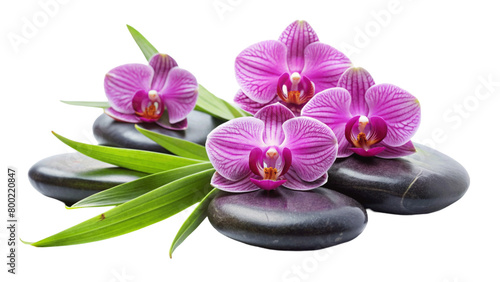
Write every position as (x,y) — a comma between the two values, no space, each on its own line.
(72,177)
(288,220)
(424,182)
(114,133)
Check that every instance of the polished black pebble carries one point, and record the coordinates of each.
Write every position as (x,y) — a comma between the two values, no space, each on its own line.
(114,133)
(72,177)
(424,182)
(288,220)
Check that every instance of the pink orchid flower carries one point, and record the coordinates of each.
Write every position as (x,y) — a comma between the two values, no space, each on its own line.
(289,70)
(368,119)
(270,150)
(142,93)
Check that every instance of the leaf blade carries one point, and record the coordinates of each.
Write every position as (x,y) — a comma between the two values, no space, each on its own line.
(92,104)
(145,161)
(193,221)
(236,112)
(211,104)
(177,146)
(128,191)
(143,211)
(146,47)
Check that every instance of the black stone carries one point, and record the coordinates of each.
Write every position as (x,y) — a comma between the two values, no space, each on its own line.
(72,177)
(424,182)
(288,220)
(114,133)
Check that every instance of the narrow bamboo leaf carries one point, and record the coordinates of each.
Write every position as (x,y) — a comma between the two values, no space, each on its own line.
(193,221)
(147,48)
(140,212)
(103,105)
(177,146)
(127,191)
(145,161)
(210,104)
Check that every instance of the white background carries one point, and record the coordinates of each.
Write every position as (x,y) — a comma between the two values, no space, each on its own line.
(440,52)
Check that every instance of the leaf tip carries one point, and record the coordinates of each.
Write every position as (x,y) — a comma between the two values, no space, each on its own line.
(56,135)
(171,252)
(26,242)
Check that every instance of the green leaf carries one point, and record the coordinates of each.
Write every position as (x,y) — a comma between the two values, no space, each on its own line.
(127,191)
(147,48)
(103,105)
(235,111)
(177,146)
(211,104)
(145,161)
(193,221)
(140,212)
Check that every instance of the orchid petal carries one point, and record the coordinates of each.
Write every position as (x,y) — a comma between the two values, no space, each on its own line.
(258,68)
(368,153)
(331,107)
(121,83)
(161,64)
(399,109)
(344,151)
(131,118)
(229,145)
(267,184)
(294,182)
(240,186)
(249,105)
(296,37)
(313,146)
(324,65)
(357,81)
(181,125)
(273,117)
(179,94)
(396,152)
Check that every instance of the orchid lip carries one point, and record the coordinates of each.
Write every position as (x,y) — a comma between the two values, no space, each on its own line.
(267,184)
(368,132)
(269,165)
(368,153)
(295,89)
(148,106)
